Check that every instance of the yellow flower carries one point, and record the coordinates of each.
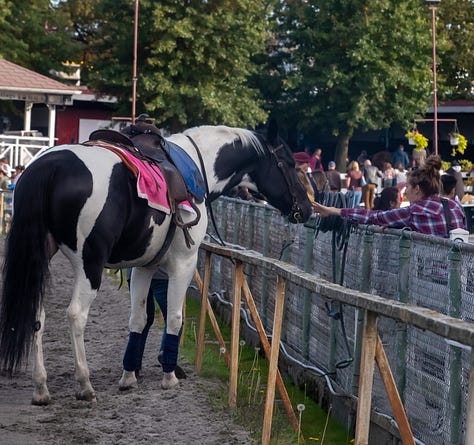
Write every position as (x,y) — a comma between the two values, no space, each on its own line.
(462,144)
(421,142)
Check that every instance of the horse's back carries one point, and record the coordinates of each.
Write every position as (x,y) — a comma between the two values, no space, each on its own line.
(89,201)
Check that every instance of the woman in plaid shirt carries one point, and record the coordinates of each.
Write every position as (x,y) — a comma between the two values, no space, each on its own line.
(425,213)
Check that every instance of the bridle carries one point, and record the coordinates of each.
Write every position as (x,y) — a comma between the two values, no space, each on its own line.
(296,210)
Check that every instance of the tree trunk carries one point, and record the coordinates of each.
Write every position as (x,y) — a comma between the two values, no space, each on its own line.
(342,150)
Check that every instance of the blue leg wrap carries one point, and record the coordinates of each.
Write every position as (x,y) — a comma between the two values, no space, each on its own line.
(131,358)
(170,353)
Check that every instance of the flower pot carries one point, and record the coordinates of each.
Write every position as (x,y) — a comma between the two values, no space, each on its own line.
(411,141)
(454,140)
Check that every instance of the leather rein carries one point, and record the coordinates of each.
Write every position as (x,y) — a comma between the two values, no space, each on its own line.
(295,209)
(208,203)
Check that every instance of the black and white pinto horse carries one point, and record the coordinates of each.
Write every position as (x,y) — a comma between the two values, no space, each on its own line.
(83,201)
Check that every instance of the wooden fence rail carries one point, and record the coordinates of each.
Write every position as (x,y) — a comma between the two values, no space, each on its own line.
(372,352)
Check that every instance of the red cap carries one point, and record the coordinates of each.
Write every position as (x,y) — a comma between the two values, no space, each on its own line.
(302,157)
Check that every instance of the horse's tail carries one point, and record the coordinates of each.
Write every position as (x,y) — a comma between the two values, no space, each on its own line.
(25,268)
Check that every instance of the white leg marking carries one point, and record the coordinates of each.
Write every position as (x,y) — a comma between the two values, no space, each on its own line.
(40,389)
(77,313)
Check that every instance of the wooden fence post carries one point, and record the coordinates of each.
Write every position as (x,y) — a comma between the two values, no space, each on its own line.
(202,318)
(235,331)
(369,342)
(273,366)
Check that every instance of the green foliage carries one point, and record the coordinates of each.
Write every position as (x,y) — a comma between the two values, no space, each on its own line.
(360,64)
(194,59)
(456,24)
(466,165)
(35,35)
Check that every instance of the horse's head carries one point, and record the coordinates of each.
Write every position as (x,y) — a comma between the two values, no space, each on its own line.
(260,160)
(277,179)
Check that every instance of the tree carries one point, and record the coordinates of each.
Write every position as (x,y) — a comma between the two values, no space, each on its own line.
(35,35)
(194,59)
(355,64)
(456,22)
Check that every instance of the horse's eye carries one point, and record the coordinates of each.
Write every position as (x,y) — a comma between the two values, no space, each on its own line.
(280,164)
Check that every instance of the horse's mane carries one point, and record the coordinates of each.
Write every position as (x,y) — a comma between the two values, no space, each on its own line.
(247,137)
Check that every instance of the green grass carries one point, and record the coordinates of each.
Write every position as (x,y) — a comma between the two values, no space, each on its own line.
(316,426)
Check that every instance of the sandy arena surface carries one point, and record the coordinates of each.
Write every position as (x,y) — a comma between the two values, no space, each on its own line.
(147,415)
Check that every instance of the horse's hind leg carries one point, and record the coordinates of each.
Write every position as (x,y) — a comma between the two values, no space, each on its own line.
(77,313)
(40,391)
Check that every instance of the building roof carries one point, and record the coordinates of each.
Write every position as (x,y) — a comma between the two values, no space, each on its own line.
(18,79)
(456,106)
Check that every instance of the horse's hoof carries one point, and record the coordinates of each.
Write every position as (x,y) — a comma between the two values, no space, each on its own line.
(42,400)
(41,395)
(169,381)
(128,381)
(86,396)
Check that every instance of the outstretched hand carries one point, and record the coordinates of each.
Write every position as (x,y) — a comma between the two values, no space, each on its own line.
(324,211)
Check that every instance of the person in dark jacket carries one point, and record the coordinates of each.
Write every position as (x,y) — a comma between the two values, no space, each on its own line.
(334,177)
(400,156)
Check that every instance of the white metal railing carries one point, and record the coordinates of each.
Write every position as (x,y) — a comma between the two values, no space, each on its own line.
(21,150)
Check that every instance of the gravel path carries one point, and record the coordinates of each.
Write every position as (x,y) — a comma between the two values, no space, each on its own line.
(147,415)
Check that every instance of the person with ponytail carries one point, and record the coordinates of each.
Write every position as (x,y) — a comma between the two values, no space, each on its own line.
(426,213)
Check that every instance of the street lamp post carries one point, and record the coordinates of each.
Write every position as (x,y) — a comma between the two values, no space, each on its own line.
(433,6)
(134,78)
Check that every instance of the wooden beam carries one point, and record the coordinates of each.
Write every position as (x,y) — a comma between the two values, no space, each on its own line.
(235,332)
(369,342)
(202,318)
(213,320)
(392,393)
(267,349)
(273,366)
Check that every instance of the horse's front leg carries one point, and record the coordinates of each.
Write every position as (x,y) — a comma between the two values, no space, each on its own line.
(139,286)
(77,313)
(40,389)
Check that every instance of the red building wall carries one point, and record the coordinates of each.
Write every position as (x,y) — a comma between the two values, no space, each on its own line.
(67,122)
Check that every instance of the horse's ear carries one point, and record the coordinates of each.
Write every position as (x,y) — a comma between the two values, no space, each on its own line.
(272,131)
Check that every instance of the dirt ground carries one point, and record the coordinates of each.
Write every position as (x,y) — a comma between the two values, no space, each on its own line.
(147,415)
